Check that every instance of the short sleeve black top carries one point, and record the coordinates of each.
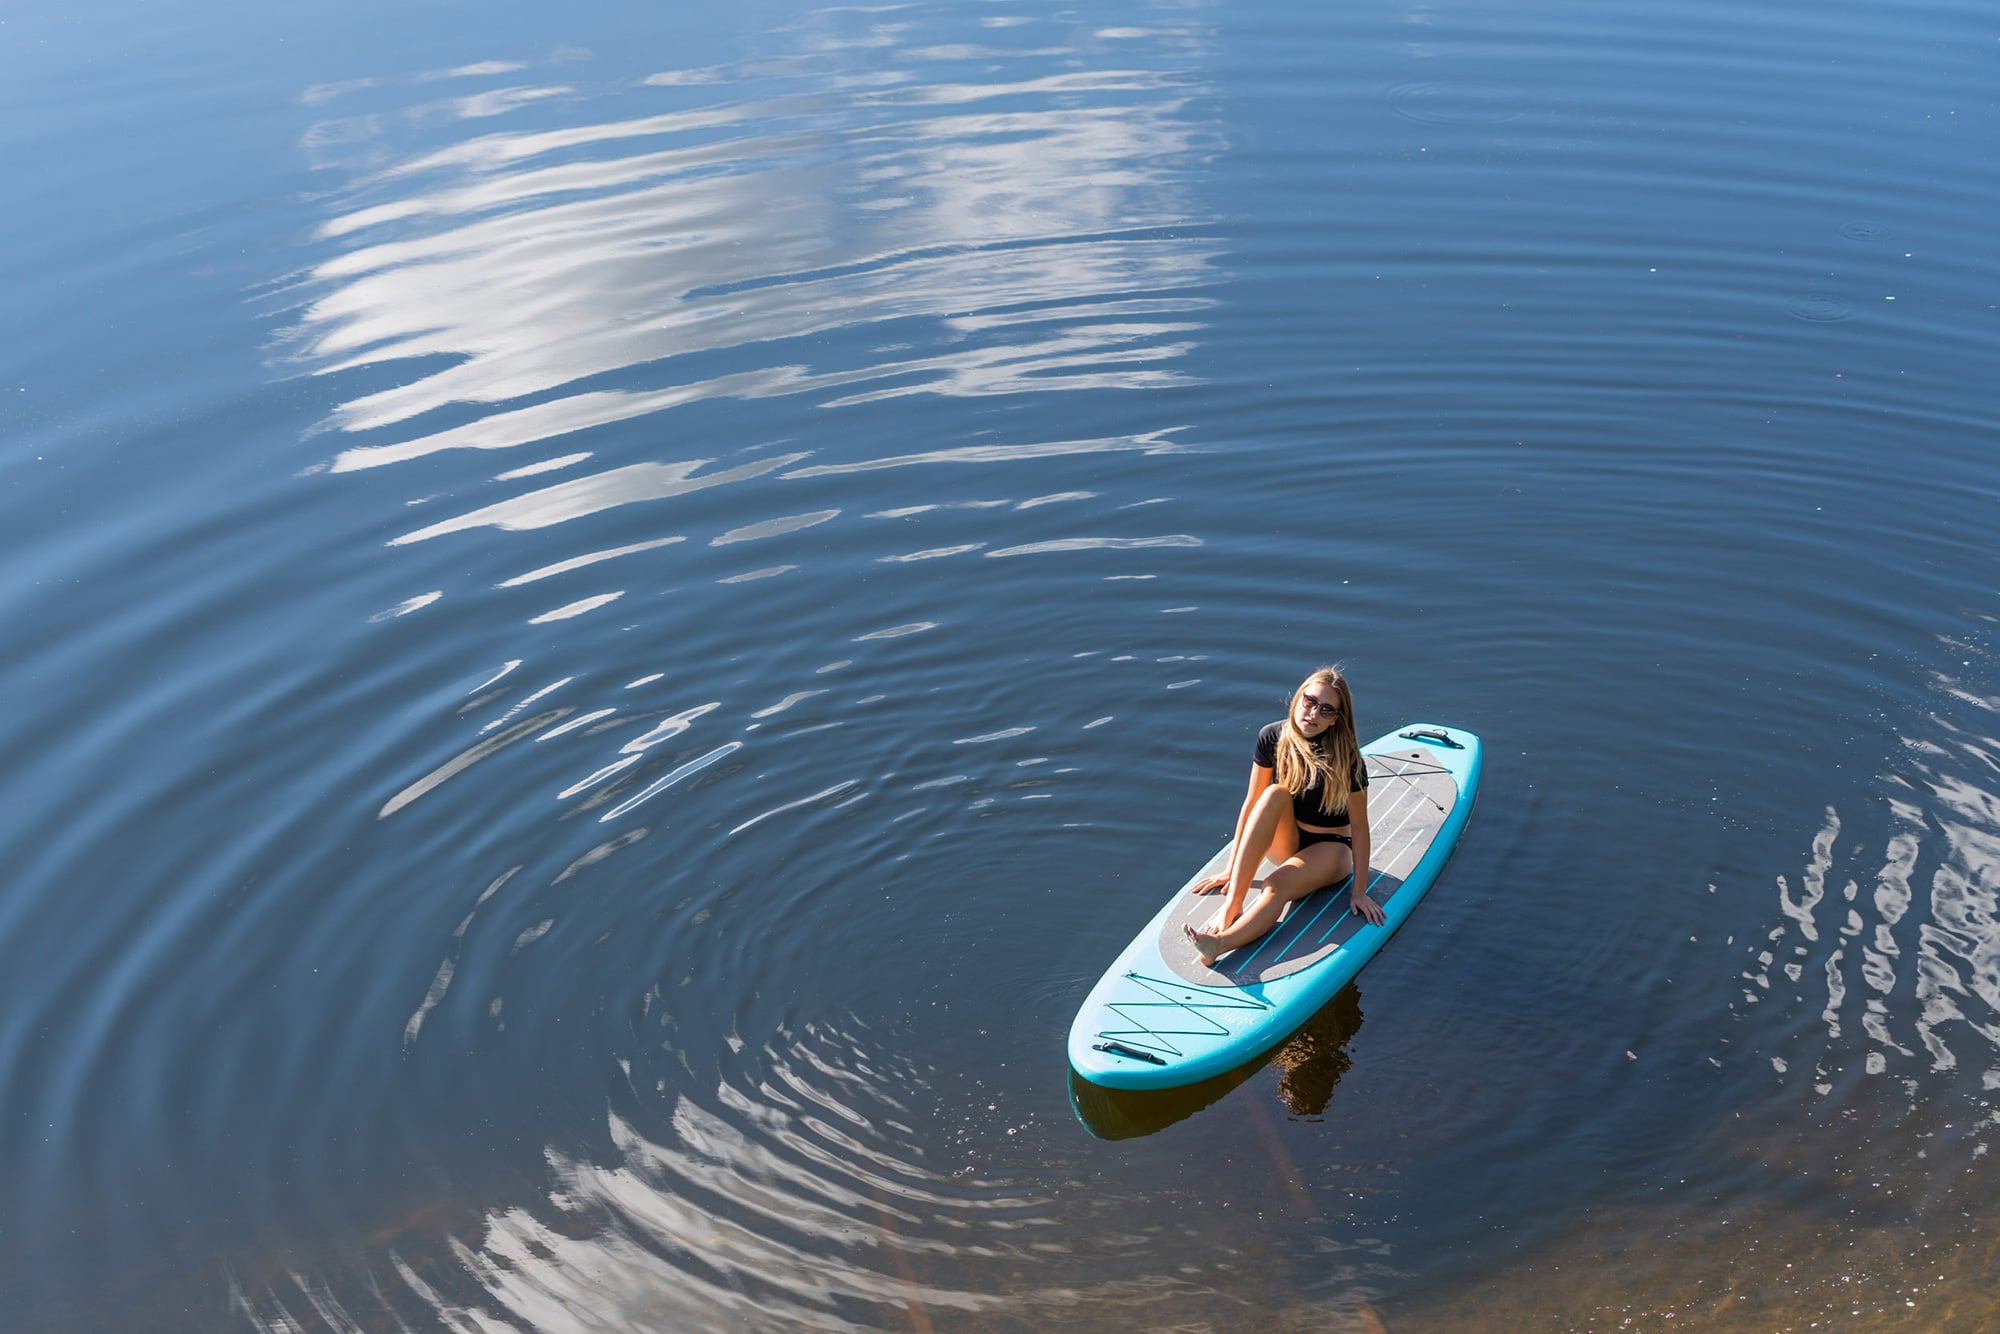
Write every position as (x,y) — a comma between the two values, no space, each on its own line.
(1305,805)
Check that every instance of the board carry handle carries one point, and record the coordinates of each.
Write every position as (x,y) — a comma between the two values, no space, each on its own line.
(1123,1050)
(1433,736)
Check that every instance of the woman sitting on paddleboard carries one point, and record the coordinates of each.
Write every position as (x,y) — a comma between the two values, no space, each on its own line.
(1306,810)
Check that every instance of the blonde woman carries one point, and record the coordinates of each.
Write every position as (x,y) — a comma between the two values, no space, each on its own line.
(1306,810)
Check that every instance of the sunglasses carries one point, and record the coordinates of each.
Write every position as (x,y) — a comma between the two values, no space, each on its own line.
(1318,706)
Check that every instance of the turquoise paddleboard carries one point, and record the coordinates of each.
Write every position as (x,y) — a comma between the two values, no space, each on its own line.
(1158,1018)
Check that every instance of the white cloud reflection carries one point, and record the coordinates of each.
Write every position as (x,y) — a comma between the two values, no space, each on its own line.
(601,491)
(1906,945)
(1038,222)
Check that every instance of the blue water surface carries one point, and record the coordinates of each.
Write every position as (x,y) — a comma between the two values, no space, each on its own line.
(610,615)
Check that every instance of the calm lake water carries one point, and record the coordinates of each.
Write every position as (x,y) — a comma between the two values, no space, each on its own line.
(609,616)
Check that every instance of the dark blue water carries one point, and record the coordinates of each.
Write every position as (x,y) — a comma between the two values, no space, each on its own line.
(608,618)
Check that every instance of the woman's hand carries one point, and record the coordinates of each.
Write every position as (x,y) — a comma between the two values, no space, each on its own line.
(1369,909)
(1208,884)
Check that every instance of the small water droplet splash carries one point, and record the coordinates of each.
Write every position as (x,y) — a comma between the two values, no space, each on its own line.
(1820,308)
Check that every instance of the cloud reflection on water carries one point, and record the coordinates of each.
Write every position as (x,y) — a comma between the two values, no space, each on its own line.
(1942,863)
(868,207)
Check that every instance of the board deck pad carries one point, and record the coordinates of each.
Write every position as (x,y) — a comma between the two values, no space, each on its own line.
(1409,797)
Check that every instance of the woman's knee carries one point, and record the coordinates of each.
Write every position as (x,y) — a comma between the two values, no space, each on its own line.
(1272,797)
(1291,881)
(1301,876)
(1272,819)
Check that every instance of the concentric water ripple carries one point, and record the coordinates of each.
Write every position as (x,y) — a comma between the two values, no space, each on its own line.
(610,617)
(778,1198)
(1820,308)
(1458,102)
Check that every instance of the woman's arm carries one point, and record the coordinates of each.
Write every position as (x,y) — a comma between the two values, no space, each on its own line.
(1357,894)
(1260,778)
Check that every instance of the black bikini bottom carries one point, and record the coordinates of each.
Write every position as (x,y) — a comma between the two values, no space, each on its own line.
(1308,837)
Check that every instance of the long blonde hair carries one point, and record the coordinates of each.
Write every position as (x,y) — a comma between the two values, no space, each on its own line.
(1299,761)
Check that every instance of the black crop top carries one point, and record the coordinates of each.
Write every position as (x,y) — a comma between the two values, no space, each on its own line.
(1305,805)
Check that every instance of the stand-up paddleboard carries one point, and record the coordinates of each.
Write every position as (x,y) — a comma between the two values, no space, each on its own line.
(1160,1018)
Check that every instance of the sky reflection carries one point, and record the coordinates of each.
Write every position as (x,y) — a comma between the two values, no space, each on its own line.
(1899,951)
(839,206)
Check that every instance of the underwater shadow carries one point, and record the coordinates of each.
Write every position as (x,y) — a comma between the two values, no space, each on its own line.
(1310,1063)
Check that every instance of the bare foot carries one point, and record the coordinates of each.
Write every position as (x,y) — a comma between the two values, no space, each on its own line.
(1204,944)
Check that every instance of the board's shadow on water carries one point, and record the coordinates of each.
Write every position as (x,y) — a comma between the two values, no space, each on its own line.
(1310,1063)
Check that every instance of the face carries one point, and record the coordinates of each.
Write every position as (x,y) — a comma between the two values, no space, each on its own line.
(1316,708)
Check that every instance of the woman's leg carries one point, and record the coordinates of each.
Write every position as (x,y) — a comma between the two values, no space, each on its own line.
(1270,831)
(1305,871)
